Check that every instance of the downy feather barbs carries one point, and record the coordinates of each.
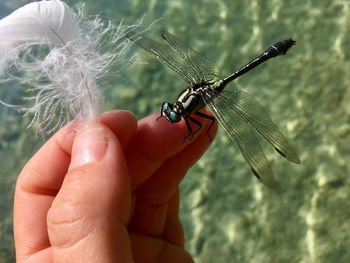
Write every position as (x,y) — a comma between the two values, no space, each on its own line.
(62,84)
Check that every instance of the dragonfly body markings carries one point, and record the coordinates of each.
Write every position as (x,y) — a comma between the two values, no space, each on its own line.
(238,112)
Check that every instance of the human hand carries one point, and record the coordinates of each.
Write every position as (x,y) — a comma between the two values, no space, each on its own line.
(106,191)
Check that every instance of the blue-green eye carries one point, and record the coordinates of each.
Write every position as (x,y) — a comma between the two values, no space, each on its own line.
(174,117)
(165,106)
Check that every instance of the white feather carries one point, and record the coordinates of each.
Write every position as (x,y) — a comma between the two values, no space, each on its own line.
(51,19)
(46,22)
(62,83)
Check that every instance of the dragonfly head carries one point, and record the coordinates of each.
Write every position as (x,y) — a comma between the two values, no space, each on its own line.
(170,112)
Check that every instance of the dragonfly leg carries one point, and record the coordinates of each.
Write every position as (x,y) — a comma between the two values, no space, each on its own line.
(161,111)
(209,117)
(189,128)
(195,122)
(159,117)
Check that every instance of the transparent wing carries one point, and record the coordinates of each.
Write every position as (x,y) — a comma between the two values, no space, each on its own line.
(200,65)
(243,136)
(165,54)
(172,56)
(252,111)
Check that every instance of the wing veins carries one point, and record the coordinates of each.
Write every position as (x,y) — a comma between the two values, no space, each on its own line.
(255,157)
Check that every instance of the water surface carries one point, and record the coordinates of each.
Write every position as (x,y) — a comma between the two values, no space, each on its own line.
(228,215)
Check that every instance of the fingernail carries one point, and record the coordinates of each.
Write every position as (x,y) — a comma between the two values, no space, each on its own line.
(90,145)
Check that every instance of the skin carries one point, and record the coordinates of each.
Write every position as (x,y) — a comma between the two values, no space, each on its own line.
(106,191)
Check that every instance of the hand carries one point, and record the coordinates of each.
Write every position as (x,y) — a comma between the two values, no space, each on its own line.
(106,191)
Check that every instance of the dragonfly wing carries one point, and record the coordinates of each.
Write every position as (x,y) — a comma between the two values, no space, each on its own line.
(166,55)
(243,136)
(200,65)
(255,114)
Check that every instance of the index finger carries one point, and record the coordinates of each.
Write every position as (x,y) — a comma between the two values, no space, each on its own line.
(155,142)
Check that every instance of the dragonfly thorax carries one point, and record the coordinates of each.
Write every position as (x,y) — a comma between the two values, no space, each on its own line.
(189,101)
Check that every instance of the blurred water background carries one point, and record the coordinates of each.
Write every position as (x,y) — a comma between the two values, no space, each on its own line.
(228,215)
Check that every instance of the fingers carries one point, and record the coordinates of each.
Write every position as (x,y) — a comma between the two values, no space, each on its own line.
(159,220)
(153,143)
(152,249)
(36,187)
(90,211)
(173,231)
(92,201)
(156,211)
(164,182)
(42,177)
(122,123)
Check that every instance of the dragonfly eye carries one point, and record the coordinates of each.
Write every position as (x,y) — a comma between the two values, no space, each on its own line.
(167,107)
(173,116)
(170,114)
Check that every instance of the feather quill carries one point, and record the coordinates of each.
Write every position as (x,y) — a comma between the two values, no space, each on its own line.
(62,83)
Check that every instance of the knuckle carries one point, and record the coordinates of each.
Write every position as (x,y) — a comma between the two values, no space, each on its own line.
(69,218)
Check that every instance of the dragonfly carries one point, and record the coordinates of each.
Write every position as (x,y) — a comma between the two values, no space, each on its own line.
(240,114)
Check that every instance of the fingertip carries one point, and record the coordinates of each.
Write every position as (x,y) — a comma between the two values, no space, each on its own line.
(123,124)
(90,144)
(160,139)
(98,165)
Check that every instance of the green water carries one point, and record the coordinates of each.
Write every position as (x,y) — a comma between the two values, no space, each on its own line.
(228,215)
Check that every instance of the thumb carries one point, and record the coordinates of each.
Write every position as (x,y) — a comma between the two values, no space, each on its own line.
(86,222)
